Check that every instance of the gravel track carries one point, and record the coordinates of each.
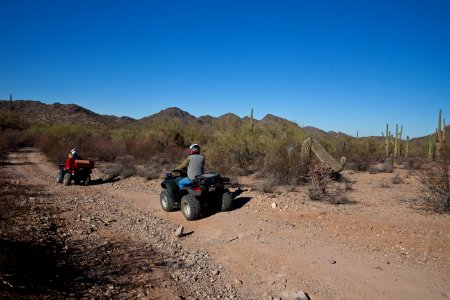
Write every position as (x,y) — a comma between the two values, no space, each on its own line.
(112,240)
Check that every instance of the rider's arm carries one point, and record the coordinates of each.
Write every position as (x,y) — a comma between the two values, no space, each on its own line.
(183,165)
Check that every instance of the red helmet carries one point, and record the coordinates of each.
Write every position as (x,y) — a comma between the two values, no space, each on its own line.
(194,148)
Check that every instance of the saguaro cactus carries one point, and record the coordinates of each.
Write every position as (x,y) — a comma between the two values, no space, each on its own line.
(407,147)
(440,137)
(430,148)
(396,141)
(312,145)
(387,140)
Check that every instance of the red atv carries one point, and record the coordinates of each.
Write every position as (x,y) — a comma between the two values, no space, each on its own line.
(78,170)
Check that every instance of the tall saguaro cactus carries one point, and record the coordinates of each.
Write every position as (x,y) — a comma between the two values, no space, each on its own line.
(396,141)
(407,147)
(386,140)
(440,136)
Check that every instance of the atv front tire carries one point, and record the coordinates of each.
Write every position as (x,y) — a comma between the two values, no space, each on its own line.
(67,179)
(59,176)
(167,203)
(227,201)
(191,208)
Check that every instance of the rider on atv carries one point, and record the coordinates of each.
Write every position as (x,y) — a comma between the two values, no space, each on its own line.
(196,192)
(195,164)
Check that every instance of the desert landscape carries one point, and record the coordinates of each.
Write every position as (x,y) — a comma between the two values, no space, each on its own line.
(225,150)
(371,236)
(113,240)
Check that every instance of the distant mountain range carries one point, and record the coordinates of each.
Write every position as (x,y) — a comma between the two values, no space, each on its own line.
(56,113)
(52,114)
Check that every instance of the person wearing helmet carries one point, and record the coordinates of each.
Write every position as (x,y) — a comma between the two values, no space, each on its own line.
(73,154)
(195,164)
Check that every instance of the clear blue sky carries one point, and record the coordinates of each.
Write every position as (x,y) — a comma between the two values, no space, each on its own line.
(335,65)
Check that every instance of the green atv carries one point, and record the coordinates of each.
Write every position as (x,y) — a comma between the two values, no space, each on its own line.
(206,191)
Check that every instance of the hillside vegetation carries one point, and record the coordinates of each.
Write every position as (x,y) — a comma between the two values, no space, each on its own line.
(232,145)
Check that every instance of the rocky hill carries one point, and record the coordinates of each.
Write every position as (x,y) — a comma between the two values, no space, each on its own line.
(51,114)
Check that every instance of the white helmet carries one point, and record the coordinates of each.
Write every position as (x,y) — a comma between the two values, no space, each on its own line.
(73,151)
(195,149)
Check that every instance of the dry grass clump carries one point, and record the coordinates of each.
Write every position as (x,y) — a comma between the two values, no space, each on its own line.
(397,179)
(265,186)
(384,184)
(385,167)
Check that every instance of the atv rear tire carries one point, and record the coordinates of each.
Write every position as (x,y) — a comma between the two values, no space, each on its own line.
(167,203)
(227,201)
(67,179)
(191,208)
(59,176)
(87,181)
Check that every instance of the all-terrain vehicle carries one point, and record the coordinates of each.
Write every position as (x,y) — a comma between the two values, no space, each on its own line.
(78,170)
(207,191)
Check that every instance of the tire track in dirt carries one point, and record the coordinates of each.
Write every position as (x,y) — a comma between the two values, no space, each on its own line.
(120,252)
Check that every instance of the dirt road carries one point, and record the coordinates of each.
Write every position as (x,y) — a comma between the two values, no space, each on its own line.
(113,240)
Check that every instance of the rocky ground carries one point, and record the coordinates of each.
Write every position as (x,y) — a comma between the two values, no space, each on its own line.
(112,240)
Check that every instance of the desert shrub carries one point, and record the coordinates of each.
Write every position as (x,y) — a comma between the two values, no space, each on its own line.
(397,179)
(337,198)
(315,193)
(144,150)
(100,146)
(320,177)
(414,163)
(374,170)
(167,133)
(12,120)
(345,184)
(387,167)
(360,153)
(358,164)
(435,186)
(11,139)
(123,167)
(283,163)
(235,150)
(285,167)
(56,141)
(265,186)
(150,172)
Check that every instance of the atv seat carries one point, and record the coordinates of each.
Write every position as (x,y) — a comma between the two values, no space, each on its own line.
(208,178)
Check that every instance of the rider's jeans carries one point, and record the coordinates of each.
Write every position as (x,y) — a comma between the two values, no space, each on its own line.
(184,182)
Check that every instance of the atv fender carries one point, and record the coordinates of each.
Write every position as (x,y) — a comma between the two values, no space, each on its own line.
(172,190)
(193,192)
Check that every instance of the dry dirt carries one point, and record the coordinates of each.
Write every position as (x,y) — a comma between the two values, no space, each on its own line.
(112,240)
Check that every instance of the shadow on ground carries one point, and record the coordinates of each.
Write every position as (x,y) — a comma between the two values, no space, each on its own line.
(39,260)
